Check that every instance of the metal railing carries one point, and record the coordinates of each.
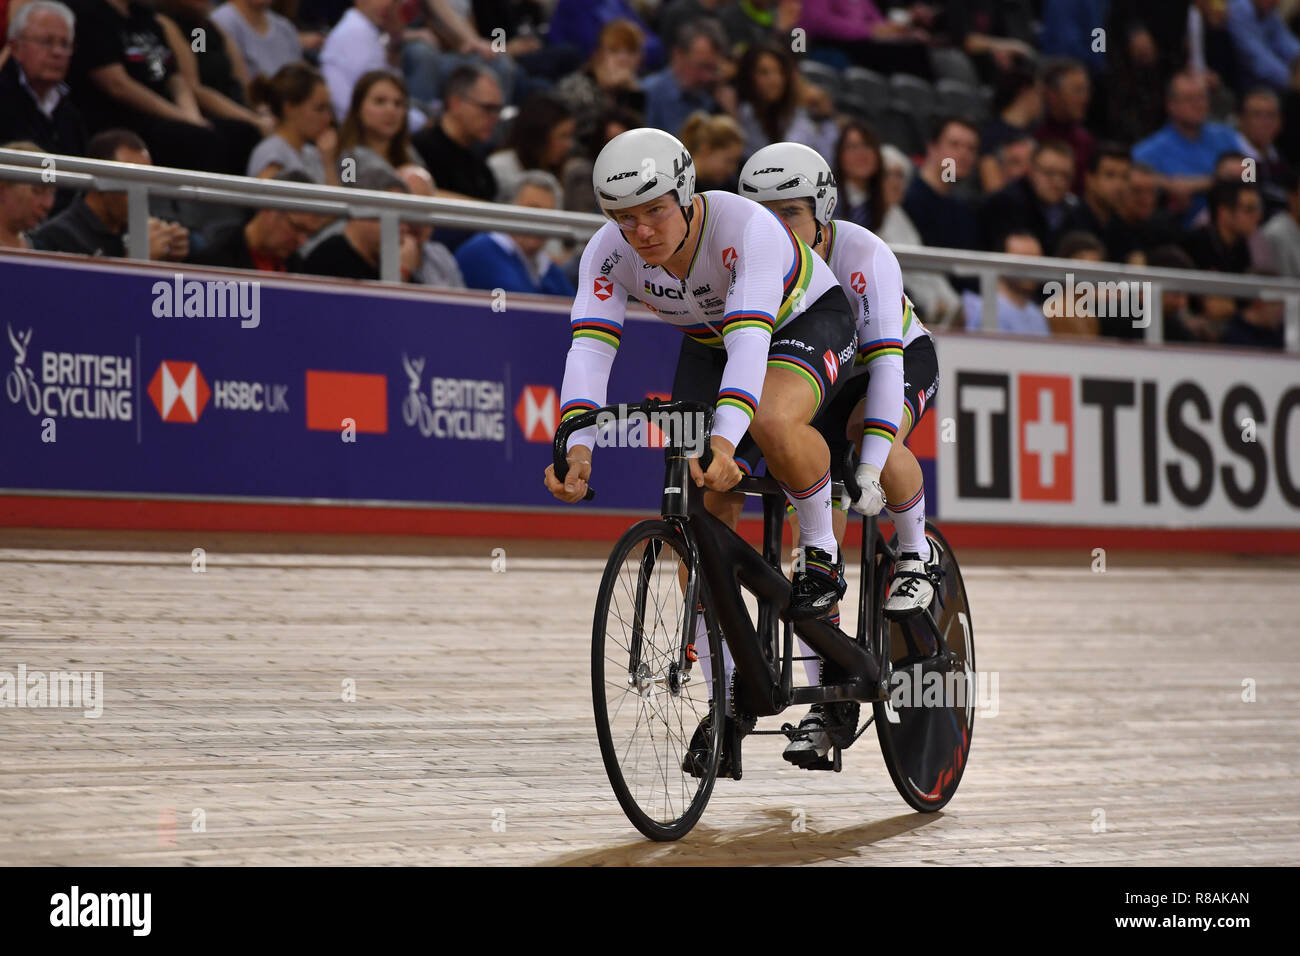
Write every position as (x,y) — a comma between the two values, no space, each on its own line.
(142,182)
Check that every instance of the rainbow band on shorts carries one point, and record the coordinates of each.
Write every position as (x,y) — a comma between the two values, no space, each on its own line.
(805,371)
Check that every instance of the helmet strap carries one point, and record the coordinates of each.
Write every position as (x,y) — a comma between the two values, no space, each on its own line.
(688,213)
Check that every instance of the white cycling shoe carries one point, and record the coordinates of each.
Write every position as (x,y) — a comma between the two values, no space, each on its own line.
(809,741)
(910,589)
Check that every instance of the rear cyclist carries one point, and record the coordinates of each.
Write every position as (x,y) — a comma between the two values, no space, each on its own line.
(879,406)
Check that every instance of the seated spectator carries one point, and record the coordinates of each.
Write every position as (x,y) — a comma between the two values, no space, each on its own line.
(860,33)
(516,262)
(759,21)
(859,174)
(1139,66)
(677,13)
(1283,231)
(767,86)
(1265,47)
(266,242)
(577,23)
(367,38)
(1103,193)
(304,139)
(1020,309)
(1018,103)
(353,252)
(1142,225)
(716,144)
(1180,322)
(1081,244)
(449,39)
(541,137)
(932,293)
(375,131)
(1066,94)
(1183,152)
(1224,246)
(266,41)
(993,33)
(34,100)
(436,265)
(451,148)
(1014,158)
(524,23)
(1039,203)
(124,75)
(95,223)
(690,81)
(943,219)
(1258,126)
(23,206)
(609,79)
(578,194)
(1069,316)
(216,74)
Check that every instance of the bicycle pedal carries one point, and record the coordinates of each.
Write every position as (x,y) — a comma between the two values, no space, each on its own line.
(821,763)
(904,615)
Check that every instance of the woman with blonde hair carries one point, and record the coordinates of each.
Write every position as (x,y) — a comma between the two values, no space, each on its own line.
(716,143)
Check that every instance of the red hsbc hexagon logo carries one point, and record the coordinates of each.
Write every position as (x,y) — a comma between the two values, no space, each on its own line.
(603,289)
(729,257)
(832,363)
(859,282)
(179,391)
(538,413)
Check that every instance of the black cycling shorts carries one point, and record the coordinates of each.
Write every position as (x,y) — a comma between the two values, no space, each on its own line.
(920,385)
(820,344)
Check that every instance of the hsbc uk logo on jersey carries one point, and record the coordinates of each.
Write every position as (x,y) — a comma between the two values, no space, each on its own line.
(602,288)
(180,392)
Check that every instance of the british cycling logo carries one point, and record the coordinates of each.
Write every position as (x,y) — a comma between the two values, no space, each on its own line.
(72,384)
(130,910)
(602,288)
(459,408)
(208,299)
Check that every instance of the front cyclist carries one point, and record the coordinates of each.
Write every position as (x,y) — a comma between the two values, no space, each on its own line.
(766,327)
(880,405)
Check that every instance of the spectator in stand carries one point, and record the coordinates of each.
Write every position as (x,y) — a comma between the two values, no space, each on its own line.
(993,33)
(265,40)
(353,252)
(1039,203)
(1066,316)
(1020,310)
(374,131)
(124,75)
(941,218)
(216,75)
(1224,246)
(1018,102)
(1066,94)
(860,33)
(1265,48)
(449,40)
(95,223)
(690,80)
(1015,156)
(1142,225)
(767,86)
(578,195)
(524,23)
(578,23)
(939,304)
(304,139)
(1103,194)
(266,242)
(759,21)
(541,137)
(1258,127)
(1283,231)
(365,40)
(1139,69)
(1068,27)
(717,144)
(451,148)
(34,100)
(678,13)
(1209,44)
(609,79)
(860,175)
(23,206)
(1184,150)
(437,266)
(516,262)
(1181,323)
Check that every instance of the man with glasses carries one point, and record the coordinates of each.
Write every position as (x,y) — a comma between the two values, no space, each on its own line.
(1039,203)
(34,101)
(452,149)
(688,82)
(266,242)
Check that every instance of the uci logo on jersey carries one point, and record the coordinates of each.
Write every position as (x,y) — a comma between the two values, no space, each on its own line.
(666,291)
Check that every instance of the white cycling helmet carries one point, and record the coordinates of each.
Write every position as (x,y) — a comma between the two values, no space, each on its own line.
(790,171)
(640,165)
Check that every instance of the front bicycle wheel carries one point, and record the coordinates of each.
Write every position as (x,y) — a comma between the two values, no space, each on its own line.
(925,726)
(649,686)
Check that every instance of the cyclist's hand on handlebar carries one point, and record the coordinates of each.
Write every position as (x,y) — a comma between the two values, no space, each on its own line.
(574,486)
(723,472)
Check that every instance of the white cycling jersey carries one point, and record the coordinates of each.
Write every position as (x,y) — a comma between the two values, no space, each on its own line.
(868,270)
(749,277)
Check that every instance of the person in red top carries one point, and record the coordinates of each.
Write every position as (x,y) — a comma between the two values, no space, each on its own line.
(1066,94)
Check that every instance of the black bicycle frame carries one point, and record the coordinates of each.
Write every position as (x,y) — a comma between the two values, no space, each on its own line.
(726,562)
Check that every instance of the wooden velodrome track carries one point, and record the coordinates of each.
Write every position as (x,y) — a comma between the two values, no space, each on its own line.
(1121,735)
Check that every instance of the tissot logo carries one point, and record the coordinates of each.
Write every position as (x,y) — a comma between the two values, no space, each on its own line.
(179,391)
(602,288)
(1046,433)
(859,282)
(538,412)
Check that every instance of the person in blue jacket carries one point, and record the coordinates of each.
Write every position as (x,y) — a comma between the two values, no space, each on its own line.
(516,262)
